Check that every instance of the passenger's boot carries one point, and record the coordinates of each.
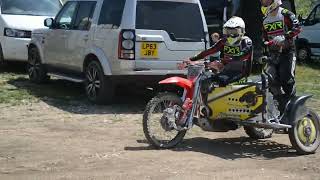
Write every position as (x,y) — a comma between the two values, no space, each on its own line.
(282,102)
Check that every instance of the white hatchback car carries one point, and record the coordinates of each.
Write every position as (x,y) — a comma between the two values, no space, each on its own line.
(104,43)
(17,19)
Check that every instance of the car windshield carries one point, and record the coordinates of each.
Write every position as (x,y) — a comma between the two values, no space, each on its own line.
(182,21)
(30,7)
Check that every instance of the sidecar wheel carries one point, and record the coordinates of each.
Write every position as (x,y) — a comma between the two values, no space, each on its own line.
(155,126)
(258,133)
(305,133)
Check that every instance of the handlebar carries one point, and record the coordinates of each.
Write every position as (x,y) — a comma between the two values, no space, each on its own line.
(265,59)
(271,43)
(196,63)
(205,65)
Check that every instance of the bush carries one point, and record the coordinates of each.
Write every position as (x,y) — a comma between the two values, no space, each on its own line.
(304,7)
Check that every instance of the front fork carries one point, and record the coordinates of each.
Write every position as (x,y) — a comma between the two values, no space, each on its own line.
(195,104)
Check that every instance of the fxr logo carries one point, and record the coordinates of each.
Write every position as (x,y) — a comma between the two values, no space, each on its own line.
(273,26)
(232,50)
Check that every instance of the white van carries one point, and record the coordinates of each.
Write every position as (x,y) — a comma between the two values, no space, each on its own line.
(17,19)
(308,42)
(104,43)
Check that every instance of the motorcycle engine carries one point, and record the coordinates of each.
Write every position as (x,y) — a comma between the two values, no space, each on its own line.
(220,125)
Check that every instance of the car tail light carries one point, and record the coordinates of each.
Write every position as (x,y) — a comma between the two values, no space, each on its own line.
(126,46)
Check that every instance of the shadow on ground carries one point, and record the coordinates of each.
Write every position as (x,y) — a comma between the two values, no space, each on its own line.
(70,97)
(13,67)
(229,148)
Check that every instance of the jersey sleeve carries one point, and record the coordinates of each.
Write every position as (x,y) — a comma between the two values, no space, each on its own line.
(247,46)
(292,23)
(212,50)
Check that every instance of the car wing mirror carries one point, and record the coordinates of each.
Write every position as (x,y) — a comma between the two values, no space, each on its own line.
(49,22)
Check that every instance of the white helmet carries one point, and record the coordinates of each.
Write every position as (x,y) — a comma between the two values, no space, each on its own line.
(270,5)
(234,30)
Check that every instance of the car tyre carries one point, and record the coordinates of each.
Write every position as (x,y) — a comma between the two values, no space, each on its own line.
(99,89)
(304,55)
(36,70)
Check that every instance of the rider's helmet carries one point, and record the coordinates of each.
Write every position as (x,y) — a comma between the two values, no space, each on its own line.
(269,6)
(234,30)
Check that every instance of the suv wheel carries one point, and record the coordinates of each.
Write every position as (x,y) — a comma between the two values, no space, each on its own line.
(36,70)
(303,54)
(99,88)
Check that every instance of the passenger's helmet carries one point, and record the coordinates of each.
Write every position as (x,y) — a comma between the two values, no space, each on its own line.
(269,5)
(234,30)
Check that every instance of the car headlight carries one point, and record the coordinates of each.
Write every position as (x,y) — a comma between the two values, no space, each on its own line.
(17,33)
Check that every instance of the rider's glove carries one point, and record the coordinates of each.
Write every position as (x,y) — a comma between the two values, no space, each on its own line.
(279,40)
(216,66)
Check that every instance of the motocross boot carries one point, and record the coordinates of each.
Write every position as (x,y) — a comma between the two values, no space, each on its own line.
(282,103)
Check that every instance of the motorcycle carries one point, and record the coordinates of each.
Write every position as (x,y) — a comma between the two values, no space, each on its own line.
(220,108)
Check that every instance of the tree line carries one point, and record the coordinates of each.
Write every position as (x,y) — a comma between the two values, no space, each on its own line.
(304,7)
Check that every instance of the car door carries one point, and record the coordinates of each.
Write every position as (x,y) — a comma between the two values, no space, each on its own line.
(79,38)
(55,40)
(311,30)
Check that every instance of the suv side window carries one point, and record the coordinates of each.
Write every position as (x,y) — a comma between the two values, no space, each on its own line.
(84,15)
(111,12)
(66,16)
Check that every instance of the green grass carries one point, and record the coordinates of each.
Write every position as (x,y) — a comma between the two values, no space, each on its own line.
(16,89)
(10,94)
(308,80)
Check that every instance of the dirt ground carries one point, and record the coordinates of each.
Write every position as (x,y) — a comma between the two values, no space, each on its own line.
(77,141)
(59,135)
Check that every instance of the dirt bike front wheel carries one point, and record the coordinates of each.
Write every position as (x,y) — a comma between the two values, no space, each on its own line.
(155,125)
(305,133)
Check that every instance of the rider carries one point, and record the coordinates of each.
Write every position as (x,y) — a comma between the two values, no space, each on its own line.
(280,26)
(237,53)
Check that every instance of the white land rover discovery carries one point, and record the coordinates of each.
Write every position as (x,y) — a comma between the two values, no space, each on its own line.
(104,43)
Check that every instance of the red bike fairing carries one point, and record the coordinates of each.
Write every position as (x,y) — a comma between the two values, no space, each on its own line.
(181,82)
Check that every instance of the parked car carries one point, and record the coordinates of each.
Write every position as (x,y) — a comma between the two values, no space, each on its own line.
(308,42)
(104,43)
(17,19)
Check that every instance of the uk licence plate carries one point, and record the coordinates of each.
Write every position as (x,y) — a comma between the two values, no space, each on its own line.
(149,50)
